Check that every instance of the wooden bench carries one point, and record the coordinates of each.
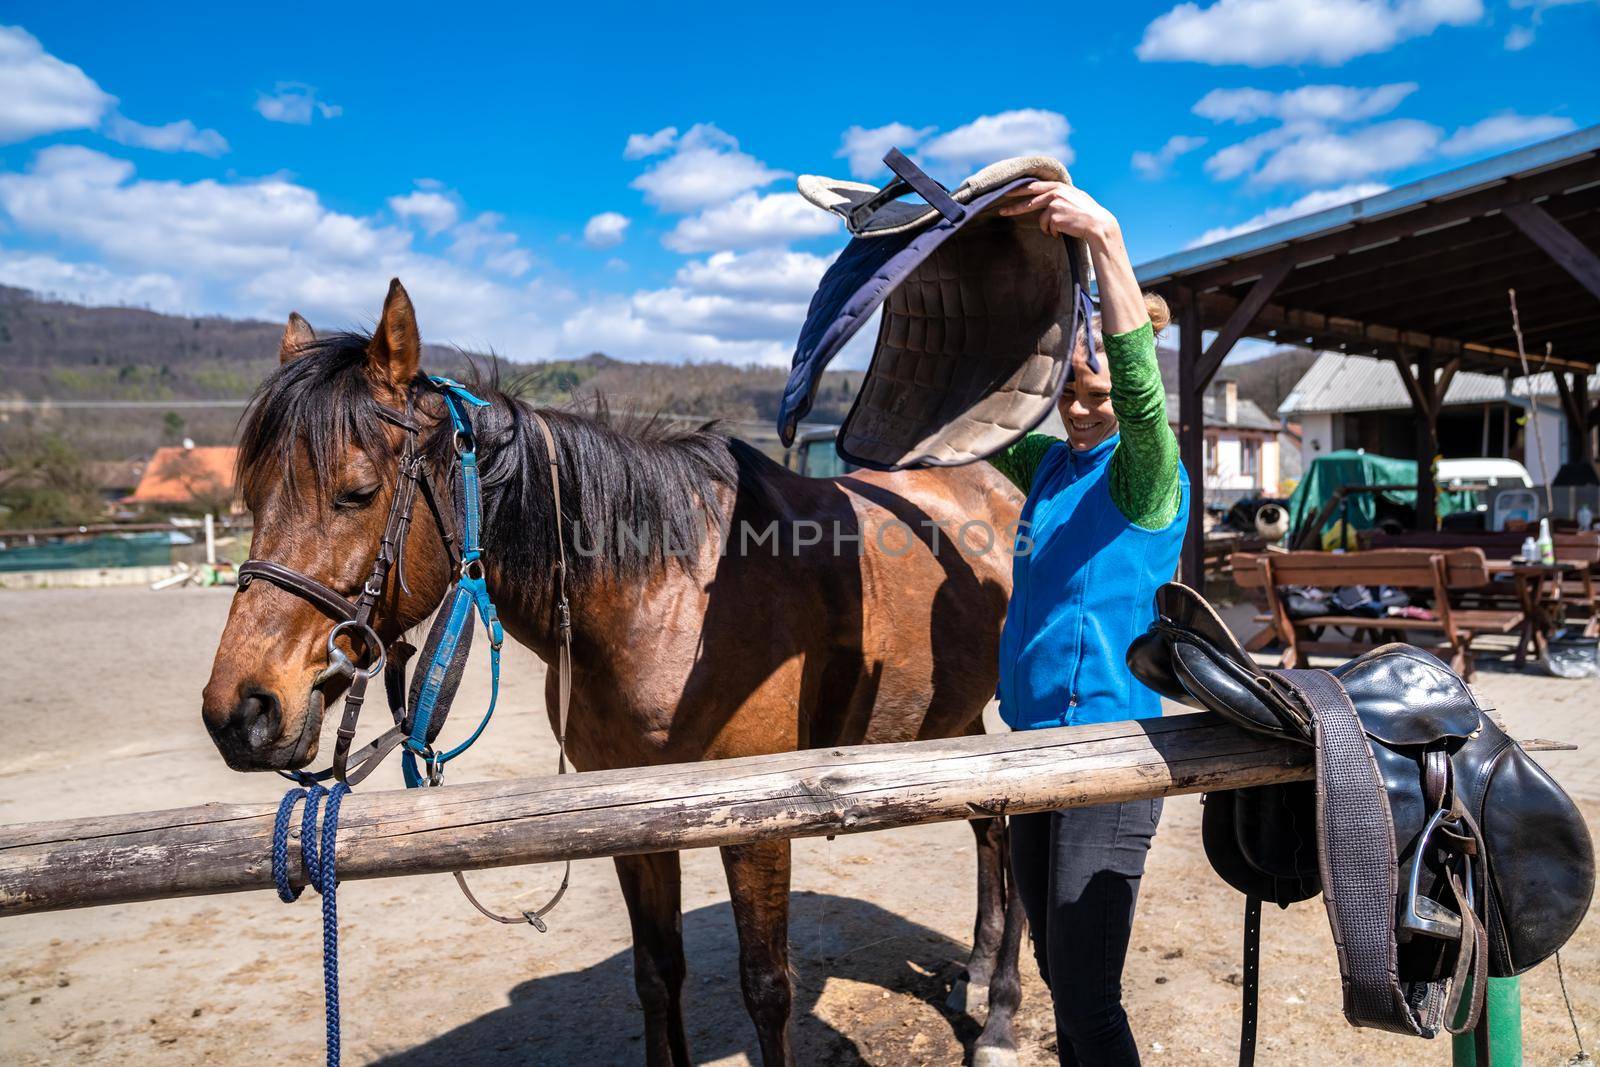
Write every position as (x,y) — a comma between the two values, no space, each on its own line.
(1580,594)
(1436,571)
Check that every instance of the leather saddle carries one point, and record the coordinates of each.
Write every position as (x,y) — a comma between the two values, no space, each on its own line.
(1444,853)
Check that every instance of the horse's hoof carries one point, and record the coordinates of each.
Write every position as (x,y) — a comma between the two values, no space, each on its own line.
(994,1056)
(967,999)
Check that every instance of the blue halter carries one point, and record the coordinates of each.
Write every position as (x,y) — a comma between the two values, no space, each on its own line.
(471,594)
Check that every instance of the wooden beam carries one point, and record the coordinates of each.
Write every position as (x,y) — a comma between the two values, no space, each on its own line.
(1192,439)
(1243,315)
(1331,331)
(1427,442)
(1442,389)
(220,848)
(1559,243)
(1419,400)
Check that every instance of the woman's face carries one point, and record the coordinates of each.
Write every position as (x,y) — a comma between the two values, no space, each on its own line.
(1085,406)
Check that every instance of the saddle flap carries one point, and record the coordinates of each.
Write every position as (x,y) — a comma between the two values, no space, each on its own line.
(1406,696)
(1262,841)
(1190,655)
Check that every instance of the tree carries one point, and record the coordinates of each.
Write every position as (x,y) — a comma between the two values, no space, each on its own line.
(44,481)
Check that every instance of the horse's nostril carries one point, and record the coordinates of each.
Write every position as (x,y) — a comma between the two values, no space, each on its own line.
(258,718)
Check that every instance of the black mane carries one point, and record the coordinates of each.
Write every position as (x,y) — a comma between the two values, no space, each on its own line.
(641,474)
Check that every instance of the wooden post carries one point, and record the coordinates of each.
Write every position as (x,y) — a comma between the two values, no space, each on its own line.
(220,848)
(1427,394)
(1191,438)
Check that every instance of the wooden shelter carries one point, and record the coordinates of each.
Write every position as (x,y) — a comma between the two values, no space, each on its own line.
(1417,275)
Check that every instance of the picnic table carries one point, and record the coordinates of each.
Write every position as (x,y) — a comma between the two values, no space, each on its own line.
(1564,596)
(1539,594)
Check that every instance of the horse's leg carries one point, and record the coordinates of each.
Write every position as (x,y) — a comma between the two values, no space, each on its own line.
(758,882)
(997,1045)
(652,888)
(972,988)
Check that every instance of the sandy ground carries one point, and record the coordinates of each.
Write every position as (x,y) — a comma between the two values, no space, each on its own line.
(99,707)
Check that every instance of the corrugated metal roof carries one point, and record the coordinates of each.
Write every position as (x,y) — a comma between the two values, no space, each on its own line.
(1403,198)
(1248,416)
(1337,382)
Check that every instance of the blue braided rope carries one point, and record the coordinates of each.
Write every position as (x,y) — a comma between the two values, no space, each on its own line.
(319,854)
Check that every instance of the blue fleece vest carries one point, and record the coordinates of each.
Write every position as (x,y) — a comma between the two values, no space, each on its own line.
(1080,596)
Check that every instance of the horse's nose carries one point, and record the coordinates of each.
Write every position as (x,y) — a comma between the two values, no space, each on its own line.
(250,729)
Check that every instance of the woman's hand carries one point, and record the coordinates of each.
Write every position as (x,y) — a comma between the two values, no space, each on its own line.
(1064,211)
(1067,211)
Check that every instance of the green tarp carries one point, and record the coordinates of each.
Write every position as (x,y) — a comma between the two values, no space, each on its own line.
(1327,474)
(121,550)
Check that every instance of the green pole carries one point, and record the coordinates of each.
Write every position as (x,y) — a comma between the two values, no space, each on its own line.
(1504,1008)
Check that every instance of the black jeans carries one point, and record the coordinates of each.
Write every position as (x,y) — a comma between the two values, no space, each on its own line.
(1078,872)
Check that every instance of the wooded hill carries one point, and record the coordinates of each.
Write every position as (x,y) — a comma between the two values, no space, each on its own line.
(53,351)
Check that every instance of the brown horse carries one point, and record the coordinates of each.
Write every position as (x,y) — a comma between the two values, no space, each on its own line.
(804,613)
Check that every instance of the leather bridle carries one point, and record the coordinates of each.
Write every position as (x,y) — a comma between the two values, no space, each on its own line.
(353,617)
(448,645)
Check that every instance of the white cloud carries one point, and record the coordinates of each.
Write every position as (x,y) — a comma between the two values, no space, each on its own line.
(258,248)
(1518,38)
(1261,33)
(1025,132)
(482,240)
(1241,157)
(864,149)
(643,145)
(1505,131)
(1319,103)
(432,209)
(1326,156)
(41,94)
(294,103)
(766,274)
(91,283)
(605,230)
(635,328)
(705,168)
(751,221)
(1155,164)
(180,136)
(1310,204)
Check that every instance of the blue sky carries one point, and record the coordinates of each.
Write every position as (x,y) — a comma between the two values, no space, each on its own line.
(621,178)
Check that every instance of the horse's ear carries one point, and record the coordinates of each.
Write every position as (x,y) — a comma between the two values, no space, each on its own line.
(296,337)
(396,348)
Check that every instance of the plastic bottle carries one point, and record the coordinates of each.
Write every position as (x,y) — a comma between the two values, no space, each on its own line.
(1530,550)
(1585,517)
(1547,546)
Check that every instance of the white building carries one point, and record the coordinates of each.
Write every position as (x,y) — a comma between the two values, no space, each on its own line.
(1360,402)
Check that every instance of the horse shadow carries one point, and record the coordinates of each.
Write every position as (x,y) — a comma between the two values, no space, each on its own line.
(592,1016)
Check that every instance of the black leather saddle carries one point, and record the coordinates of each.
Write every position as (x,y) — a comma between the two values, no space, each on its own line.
(1443,851)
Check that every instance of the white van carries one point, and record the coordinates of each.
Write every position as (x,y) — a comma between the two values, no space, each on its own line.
(1478,473)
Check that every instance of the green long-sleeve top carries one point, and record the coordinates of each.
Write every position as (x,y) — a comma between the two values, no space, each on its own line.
(1144,467)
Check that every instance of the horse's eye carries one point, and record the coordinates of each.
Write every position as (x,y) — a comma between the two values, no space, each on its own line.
(355,499)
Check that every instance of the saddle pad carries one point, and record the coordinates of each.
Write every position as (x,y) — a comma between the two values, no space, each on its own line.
(980,313)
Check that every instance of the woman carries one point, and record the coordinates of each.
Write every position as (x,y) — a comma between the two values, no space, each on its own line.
(1106,511)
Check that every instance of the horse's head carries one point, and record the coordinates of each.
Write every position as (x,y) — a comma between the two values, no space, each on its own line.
(319,463)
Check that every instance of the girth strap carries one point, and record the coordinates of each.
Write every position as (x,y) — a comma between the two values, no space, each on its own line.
(1360,874)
